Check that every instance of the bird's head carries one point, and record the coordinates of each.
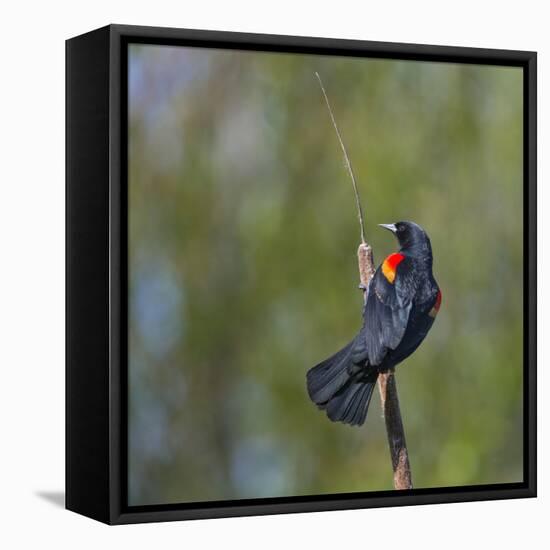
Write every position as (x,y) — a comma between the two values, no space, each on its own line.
(411,237)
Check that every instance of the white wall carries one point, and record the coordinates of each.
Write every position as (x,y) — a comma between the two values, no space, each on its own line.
(32,271)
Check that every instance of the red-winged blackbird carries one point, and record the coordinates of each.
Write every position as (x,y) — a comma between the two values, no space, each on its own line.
(402,302)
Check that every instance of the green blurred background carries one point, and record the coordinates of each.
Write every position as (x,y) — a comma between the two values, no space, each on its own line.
(243,273)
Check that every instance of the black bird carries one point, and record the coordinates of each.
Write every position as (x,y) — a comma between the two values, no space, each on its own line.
(402,302)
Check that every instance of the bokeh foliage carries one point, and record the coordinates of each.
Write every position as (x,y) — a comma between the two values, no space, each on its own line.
(243,274)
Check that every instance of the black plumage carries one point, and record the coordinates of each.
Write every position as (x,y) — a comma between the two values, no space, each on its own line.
(403,299)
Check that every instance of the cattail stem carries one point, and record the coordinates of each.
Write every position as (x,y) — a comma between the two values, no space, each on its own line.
(386,381)
(402,478)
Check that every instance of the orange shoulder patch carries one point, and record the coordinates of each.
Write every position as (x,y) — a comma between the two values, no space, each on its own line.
(389,266)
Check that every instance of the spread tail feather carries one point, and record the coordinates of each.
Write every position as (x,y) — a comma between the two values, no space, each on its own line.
(340,385)
(351,403)
(326,378)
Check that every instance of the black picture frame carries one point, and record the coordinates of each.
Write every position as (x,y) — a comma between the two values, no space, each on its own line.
(96,272)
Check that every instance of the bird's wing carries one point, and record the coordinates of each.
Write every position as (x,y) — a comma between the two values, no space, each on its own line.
(386,313)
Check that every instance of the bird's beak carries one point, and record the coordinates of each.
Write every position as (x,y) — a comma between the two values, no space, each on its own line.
(389,226)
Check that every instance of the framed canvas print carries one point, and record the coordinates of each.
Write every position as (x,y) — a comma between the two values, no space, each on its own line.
(300,274)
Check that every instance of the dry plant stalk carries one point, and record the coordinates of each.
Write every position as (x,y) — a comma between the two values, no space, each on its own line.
(347,160)
(386,381)
(389,398)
